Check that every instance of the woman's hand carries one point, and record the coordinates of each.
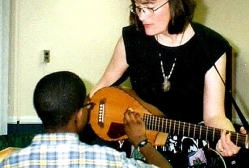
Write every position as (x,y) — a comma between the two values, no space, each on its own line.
(225,146)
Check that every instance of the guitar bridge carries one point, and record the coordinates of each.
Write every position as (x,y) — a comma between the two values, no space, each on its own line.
(101,115)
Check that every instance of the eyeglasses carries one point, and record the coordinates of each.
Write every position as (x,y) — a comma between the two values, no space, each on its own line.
(149,11)
(89,106)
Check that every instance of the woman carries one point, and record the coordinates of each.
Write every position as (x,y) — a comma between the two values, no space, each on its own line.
(176,65)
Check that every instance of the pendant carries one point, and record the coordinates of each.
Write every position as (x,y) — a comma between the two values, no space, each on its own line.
(166,85)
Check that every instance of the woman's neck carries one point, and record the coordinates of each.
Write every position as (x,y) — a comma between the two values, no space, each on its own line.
(174,40)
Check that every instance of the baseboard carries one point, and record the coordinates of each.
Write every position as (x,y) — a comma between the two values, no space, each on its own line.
(25,129)
(24,120)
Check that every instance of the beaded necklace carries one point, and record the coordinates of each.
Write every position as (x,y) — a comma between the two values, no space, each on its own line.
(166,85)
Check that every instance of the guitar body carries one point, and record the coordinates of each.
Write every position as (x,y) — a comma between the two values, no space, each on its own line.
(106,118)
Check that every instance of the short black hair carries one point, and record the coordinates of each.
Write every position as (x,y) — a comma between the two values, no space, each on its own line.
(57,97)
(181,11)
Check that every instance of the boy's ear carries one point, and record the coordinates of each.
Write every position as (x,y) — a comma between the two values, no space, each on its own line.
(79,115)
(81,119)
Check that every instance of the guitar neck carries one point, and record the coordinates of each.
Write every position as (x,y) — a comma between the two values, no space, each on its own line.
(190,130)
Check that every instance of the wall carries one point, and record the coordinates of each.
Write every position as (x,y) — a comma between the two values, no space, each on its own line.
(4,59)
(230,18)
(81,36)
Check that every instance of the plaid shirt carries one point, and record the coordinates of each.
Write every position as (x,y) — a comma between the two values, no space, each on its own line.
(65,150)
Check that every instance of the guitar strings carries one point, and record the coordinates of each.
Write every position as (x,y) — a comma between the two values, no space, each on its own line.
(182,128)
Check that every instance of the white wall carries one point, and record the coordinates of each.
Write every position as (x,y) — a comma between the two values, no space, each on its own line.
(81,36)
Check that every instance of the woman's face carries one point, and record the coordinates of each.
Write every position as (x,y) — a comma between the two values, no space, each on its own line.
(154,15)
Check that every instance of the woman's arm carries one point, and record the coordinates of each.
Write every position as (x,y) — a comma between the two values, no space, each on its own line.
(214,96)
(115,69)
(214,109)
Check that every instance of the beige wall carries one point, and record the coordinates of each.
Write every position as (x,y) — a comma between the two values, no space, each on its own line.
(231,19)
(81,36)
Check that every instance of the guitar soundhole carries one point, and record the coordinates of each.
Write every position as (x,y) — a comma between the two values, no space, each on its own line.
(116,130)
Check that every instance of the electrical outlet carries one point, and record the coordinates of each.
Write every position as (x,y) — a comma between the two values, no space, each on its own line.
(46,56)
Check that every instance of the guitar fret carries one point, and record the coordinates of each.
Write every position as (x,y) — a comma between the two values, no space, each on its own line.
(148,119)
(166,125)
(157,125)
(213,133)
(183,130)
(194,131)
(206,132)
(200,132)
(149,125)
(188,129)
(236,138)
(174,127)
(156,121)
(246,142)
(152,123)
(161,124)
(169,125)
(179,128)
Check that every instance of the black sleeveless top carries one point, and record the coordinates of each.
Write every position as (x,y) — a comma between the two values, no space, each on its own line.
(184,101)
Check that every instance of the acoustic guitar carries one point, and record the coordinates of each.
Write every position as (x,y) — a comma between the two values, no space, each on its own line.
(106,119)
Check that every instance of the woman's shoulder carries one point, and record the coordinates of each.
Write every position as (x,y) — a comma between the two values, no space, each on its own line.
(208,35)
(198,27)
(130,28)
(205,31)
(133,31)
(133,37)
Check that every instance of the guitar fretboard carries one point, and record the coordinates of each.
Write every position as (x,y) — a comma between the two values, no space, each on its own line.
(190,130)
